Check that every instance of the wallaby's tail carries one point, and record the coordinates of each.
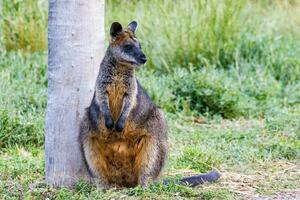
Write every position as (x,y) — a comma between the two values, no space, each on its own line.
(198,179)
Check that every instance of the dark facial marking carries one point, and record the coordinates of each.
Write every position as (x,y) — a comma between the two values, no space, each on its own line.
(128,47)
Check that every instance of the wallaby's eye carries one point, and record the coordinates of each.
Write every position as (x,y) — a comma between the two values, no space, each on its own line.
(128,47)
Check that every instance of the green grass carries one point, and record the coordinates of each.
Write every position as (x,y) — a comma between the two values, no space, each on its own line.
(23,99)
(207,36)
(241,148)
(230,73)
(24,24)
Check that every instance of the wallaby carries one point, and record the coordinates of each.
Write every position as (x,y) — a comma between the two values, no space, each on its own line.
(123,134)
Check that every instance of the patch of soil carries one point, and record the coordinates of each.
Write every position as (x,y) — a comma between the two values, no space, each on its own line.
(282,195)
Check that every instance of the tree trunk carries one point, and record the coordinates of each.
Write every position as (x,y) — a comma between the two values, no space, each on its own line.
(76,47)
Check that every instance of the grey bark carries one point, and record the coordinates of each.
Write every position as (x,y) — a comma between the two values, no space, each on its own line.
(76,47)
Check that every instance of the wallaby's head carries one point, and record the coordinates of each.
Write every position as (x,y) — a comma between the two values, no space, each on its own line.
(124,46)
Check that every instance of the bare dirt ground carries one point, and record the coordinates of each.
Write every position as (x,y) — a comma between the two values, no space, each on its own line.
(283,195)
(279,181)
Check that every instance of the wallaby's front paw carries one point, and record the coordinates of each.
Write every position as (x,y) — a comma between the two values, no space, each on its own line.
(109,122)
(120,125)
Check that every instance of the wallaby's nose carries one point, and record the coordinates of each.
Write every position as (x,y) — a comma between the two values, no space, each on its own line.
(143,59)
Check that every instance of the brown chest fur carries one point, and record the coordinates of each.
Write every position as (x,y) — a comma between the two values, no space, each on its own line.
(116,91)
(119,156)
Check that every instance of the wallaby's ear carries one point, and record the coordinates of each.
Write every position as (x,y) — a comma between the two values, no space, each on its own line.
(132,26)
(115,29)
